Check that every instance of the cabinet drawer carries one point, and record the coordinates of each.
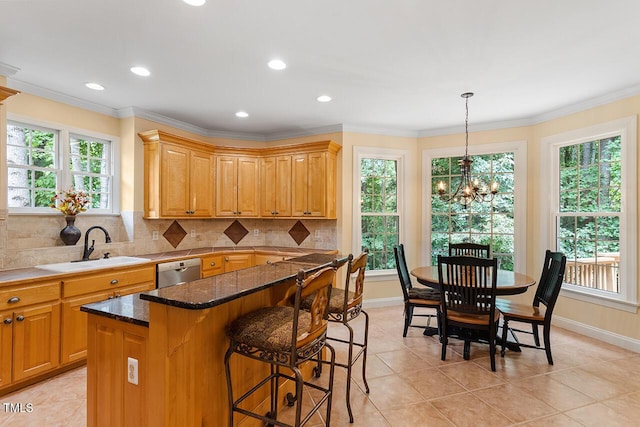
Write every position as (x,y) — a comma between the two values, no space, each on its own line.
(11,298)
(212,265)
(105,281)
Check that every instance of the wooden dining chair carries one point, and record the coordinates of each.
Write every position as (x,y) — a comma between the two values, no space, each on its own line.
(540,311)
(415,297)
(469,249)
(468,295)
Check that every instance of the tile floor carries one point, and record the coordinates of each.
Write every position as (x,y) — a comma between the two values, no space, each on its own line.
(591,384)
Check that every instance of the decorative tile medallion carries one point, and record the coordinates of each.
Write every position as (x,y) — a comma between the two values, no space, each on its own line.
(299,232)
(236,231)
(174,234)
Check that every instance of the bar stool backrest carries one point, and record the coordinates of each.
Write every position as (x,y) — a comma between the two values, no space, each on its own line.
(355,266)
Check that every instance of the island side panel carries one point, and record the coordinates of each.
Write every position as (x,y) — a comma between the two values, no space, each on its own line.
(187,385)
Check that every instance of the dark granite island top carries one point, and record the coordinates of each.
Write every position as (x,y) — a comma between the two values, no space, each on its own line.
(216,290)
(209,292)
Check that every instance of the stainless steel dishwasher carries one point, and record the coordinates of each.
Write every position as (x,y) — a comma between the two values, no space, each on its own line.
(176,272)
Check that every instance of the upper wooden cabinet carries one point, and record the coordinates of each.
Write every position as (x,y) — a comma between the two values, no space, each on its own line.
(290,181)
(237,185)
(275,194)
(178,181)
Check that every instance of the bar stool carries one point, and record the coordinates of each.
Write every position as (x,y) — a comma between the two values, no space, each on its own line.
(344,307)
(285,336)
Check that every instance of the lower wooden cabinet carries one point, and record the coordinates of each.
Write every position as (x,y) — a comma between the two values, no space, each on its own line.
(30,342)
(74,321)
(237,261)
(212,265)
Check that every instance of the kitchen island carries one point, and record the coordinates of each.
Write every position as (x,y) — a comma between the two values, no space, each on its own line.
(172,341)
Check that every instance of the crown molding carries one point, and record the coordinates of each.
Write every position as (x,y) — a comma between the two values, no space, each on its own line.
(8,70)
(60,97)
(381,131)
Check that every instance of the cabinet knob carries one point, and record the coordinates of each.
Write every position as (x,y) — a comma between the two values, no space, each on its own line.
(20,318)
(212,263)
(117,295)
(114,282)
(110,297)
(239,213)
(13,300)
(8,321)
(268,261)
(226,259)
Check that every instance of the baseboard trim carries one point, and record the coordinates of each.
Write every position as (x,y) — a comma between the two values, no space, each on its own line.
(598,334)
(382,302)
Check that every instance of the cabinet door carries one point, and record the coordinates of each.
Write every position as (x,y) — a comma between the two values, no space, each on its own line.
(36,340)
(226,186)
(248,187)
(316,184)
(74,327)
(237,262)
(299,184)
(283,186)
(174,181)
(6,346)
(201,184)
(268,186)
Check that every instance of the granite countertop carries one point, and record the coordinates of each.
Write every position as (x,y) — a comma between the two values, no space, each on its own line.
(129,308)
(19,276)
(209,292)
(216,290)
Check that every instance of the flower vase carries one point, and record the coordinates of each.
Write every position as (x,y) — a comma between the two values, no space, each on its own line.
(70,234)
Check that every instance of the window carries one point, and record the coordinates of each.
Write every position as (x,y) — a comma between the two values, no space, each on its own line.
(378,178)
(592,223)
(488,223)
(32,170)
(42,160)
(500,223)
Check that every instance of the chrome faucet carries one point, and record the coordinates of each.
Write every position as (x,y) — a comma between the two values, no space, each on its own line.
(89,249)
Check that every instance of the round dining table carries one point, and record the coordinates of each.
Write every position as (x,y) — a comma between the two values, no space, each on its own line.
(508,283)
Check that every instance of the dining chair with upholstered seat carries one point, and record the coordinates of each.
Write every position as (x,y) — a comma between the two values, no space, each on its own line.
(468,295)
(415,297)
(469,249)
(285,336)
(539,312)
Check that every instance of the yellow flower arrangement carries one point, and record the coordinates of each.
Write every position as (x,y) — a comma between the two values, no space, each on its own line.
(70,202)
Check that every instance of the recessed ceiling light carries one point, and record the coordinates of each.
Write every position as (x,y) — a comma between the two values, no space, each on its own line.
(242,114)
(277,64)
(195,2)
(94,86)
(140,71)
(324,98)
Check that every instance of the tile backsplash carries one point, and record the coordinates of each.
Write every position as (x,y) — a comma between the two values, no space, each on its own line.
(27,240)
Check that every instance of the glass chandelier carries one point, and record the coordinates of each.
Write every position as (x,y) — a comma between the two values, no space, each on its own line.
(469,190)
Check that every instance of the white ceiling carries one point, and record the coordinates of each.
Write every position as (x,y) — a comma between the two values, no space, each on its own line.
(396,65)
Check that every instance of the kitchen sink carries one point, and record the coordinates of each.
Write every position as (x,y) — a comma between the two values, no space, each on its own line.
(71,267)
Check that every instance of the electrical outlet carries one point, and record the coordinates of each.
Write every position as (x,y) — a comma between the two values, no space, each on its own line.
(154,235)
(132,370)
(193,233)
(256,232)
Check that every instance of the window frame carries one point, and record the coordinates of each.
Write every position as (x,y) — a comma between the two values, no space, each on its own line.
(519,150)
(400,156)
(62,152)
(627,298)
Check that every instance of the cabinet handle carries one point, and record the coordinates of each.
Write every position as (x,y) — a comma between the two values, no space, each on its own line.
(114,282)
(8,321)
(13,300)
(20,318)
(212,264)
